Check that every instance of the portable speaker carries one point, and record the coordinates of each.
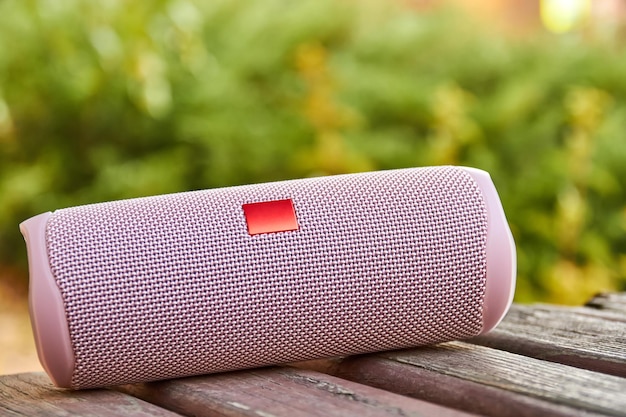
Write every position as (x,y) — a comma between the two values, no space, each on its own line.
(240,277)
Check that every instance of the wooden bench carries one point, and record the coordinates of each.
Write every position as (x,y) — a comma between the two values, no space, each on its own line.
(542,360)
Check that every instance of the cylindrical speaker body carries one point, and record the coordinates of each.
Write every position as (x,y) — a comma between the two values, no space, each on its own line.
(247,276)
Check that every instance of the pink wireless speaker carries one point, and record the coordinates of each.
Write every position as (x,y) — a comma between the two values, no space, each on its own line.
(240,277)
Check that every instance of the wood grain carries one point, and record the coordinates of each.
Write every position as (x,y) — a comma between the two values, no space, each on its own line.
(278,392)
(33,395)
(609,302)
(576,336)
(488,381)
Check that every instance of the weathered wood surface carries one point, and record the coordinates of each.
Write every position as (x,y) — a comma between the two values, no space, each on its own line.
(542,360)
(33,395)
(581,337)
(280,392)
(615,302)
(489,381)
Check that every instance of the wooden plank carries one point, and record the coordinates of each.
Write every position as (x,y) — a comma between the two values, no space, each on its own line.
(34,395)
(279,392)
(609,302)
(488,381)
(574,336)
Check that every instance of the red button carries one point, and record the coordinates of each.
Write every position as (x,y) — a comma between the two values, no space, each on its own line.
(270,217)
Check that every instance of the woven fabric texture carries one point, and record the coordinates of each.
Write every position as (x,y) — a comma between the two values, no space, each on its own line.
(173,285)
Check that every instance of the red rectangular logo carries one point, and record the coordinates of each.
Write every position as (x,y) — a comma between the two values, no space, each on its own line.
(270,216)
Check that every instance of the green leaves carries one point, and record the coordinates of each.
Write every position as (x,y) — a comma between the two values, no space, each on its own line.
(119,100)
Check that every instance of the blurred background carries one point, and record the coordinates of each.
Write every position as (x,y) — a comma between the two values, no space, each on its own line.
(110,100)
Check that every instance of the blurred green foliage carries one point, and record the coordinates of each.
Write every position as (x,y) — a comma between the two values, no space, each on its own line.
(110,100)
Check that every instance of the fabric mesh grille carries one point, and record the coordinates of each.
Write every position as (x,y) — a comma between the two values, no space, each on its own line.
(173,285)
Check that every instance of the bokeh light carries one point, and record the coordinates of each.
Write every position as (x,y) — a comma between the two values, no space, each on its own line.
(562,16)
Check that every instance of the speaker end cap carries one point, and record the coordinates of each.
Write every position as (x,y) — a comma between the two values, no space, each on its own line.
(501,255)
(47,312)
